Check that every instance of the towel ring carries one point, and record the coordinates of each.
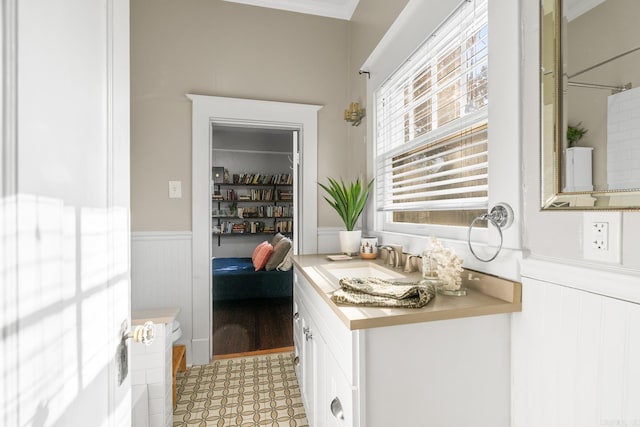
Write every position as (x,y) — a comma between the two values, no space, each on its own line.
(501,216)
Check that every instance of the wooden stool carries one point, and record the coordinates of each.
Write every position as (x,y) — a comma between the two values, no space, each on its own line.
(179,363)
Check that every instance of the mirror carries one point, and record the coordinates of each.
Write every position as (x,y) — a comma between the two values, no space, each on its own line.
(590,104)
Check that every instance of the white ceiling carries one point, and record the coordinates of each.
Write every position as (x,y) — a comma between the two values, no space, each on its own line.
(340,9)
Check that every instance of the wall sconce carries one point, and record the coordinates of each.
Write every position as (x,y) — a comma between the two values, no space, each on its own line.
(354,114)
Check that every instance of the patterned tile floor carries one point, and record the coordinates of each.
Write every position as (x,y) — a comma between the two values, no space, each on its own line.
(245,391)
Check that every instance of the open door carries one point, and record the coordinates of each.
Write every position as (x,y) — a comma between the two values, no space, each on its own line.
(64,213)
(297,185)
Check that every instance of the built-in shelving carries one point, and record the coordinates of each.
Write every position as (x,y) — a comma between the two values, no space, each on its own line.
(252,205)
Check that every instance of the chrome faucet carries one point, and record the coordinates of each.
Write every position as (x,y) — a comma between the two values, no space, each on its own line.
(409,266)
(390,253)
(398,255)
(394,254)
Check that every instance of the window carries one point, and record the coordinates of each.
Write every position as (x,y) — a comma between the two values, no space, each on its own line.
(432,129)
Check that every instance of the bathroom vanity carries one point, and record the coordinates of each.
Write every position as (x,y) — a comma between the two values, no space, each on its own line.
(446,364)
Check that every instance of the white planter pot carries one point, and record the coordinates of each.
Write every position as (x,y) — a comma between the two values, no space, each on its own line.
(350,241)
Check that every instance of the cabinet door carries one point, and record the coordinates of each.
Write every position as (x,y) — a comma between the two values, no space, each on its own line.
(297,341)
(310,349)
(337,409)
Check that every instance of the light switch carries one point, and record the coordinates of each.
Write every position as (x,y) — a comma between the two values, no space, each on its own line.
(175,189)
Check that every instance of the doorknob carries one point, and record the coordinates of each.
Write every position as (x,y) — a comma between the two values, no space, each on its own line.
(144,334)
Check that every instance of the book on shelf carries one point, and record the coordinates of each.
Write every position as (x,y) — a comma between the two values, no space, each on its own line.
(284,226)
(262,179)
(285,195)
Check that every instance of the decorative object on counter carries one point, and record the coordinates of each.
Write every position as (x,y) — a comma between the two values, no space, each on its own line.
(340,257)
(369,247)
(429,266)
(348,199)
(442,266)
(374,292)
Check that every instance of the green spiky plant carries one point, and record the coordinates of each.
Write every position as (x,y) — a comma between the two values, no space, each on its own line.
(347,199)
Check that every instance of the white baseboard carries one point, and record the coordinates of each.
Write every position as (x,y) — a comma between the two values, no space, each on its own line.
(200,351)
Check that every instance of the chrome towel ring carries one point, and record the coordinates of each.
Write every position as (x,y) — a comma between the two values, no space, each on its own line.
(501,216)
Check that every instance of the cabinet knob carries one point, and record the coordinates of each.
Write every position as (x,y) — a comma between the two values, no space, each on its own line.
(336,409)
(296,361)
(296,315)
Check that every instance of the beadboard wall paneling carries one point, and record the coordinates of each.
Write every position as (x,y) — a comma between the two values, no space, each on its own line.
(575,354)
(161,276)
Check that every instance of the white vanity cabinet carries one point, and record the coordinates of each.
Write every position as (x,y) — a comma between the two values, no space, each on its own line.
(441,373)
(326,392)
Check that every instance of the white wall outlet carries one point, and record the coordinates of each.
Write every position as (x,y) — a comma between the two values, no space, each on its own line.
(602,236)
(175,189)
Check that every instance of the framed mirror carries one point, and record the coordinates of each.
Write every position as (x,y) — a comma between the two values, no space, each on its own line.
(590,104)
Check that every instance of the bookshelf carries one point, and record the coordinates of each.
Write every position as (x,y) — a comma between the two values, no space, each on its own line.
(253,204)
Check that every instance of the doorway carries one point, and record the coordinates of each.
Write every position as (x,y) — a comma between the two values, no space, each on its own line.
(252,200)
(243,112)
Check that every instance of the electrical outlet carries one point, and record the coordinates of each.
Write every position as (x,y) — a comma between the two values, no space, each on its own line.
(602,236)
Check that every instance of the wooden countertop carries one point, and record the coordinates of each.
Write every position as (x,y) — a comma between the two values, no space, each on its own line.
(486,294)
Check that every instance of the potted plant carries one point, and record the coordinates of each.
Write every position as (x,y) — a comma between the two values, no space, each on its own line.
(575,133)
(348,199)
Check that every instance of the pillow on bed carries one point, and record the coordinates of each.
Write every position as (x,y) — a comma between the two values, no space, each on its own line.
(287,262)
(280,251)
(264,252)
(276,239)
(255,251)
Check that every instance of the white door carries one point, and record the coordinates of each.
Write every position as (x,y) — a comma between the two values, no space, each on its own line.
(297,185)
(65,213)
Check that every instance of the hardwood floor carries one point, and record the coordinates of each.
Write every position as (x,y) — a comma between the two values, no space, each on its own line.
(252,325)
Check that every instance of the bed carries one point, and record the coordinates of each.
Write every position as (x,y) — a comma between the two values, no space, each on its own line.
(236,278)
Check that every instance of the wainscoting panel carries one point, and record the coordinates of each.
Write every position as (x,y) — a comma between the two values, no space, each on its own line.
(161,276)
(575,357)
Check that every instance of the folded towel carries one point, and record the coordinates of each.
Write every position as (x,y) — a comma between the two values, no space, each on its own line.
(374,292)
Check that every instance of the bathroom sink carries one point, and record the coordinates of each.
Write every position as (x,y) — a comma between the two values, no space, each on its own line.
(361,269)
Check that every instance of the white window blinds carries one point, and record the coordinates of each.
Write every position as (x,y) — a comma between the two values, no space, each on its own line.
(431,116)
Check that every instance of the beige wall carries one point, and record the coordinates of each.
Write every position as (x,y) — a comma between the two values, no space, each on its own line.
(368,25)
(211,47)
